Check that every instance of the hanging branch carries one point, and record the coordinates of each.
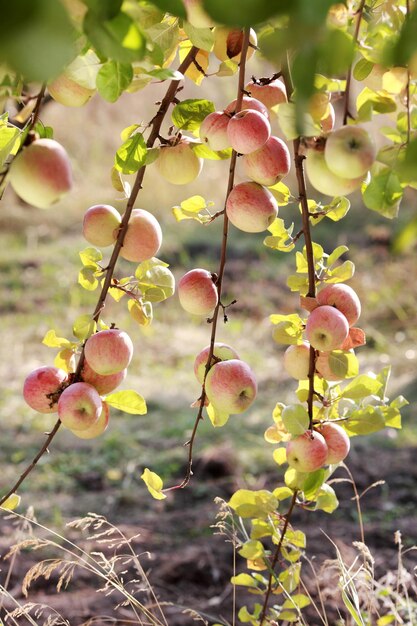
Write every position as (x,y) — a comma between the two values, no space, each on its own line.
(358,15)
(220,273)
(155,124)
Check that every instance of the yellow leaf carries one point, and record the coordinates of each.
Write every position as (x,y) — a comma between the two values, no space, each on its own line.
(154,484)
(12,502)
(217,418)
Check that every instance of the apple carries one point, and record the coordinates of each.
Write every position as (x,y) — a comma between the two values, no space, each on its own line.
(337,440)
(327,123)
(101,225)
(231,386)
(221,352)
(248,103)
(109,351)
(270,95)
(349,152)
(197,292)
(103,384)
(269,164)
(41,173)
(251,207)
(344,298)
(143,237)
(228,43)
(248,130)
(307,452)
(323,368)
(325,180)
(66,91)
(297,360)
(213,131)
(39,384)
(326,328)
(96,429)
(196,14)
(79,406)
(179,164)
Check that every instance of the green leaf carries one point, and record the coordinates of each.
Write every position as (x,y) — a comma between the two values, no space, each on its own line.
(341,273)
(290,578)
(362,69)
(361,387)
(336,52)
(295,419)
(113,79)
(337,209)
(189,114)
(128,402)
(336,254)
(166,74)
(104,9)
(370,102)
(288,328)
(118,38)
(383,193)
(87,278)
(407,43)
(175,7)
(202,38)
(131,155)
(155,280)
(288,616)
(409,167)
(154,484)
(247,503)
(313,482)
(365,421)
(343,364)
(327,500)
(9,142)
(91,256)
(84,326)
(250,12)
(287,119)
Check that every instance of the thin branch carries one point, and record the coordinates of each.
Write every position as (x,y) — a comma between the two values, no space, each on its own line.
(38,105)
(220,273)
(156,126)
(359,14)
(276,557)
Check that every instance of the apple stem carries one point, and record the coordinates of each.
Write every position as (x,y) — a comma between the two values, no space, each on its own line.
(346,113)
(220,273)
(275,558)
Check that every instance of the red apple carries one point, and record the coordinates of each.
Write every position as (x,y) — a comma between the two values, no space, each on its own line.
(101,224)
(248,131)
(197,292)
(213,131)
(41,173)
(179,164)
(349,152)
(326,328)
(297,360)
(323,368)
(96,429)
(109,351)
(39,384)
(251,207)
(221,352)
(231,386)
(269,164)
(344,298)
(79,406)
(307,452)
(103,384)
(270,95)
(337,440)
(143,237)
(248,103)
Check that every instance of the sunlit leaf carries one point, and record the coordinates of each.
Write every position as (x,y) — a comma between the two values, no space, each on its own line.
(154,484)
(128,401)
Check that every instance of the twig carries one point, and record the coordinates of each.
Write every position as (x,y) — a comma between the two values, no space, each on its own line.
(359,14)
(220,273)
(276,557)
(156,126)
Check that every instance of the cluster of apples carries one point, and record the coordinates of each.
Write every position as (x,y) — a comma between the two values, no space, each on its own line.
(341,167)
(143,238)
(230,384)
(41,173)
(336,310)
(80,406)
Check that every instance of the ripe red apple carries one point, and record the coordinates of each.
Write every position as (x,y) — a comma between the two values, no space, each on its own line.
(326,328)
(297,360)
(323,368)
(221,352)
(103,384)
(270,95)
(39,384)
(109,351)
(251,207)
(307,452)
(196,14)
(344,298)
(79,406)
(101,224)
(143,237)
(213,131)
(179,164)
(231,386)
(96,429)
(197,292)
(248,103)
(325,180)
(337,440)
(248,130)
(269,164)
(350,151)
(41,173)
(228,43)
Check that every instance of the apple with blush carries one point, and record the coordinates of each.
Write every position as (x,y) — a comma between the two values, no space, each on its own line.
(350,152)
(269,164)
(231,386)
(270,94)
(221,352)
(103,384)
(337,440)
(109,351)
(143,237)
(307,452)
(297,360)
(79,406)
(248,131)
(96,429)
(251,207)
(101,224)
(247,103)
(178,164)
(323,179)
(197,292)
(39,384)
(344,298)
(326,328)
(213,131)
